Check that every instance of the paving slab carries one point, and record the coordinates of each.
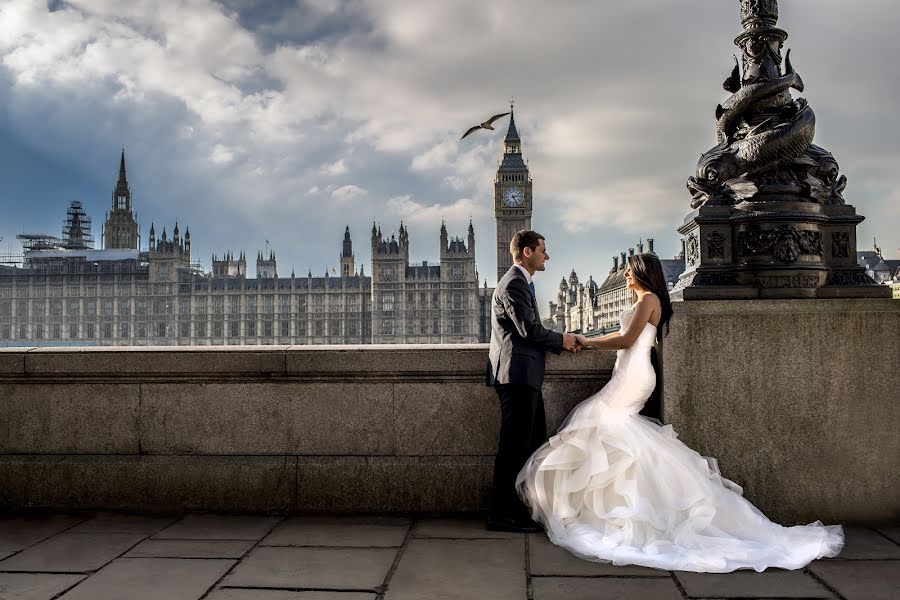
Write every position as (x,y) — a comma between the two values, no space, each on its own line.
(459,529)
(549,559)
(891,532)
(124,523)
(72,552)
(356,569)
(35,586)
(750,584)
(455,569)
(861,579)
(339,531)
(191,549)
(594,588)
(219,527)
(151,579)
(866,544)
(17,533)
(247,594)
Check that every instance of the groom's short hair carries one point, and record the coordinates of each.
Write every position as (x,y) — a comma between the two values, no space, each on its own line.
(523,239)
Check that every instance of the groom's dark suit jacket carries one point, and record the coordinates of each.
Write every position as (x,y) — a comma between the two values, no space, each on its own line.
(518,340)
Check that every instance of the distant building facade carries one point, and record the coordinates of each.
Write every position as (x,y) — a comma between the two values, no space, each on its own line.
(67,292)
(591,308)
(882,270)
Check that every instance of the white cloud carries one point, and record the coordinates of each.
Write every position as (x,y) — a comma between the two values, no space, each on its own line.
(336,168)
(221,155)
(348,193)
(313,190)
(412,211)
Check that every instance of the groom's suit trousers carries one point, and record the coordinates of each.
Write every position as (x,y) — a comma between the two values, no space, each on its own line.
(523,429)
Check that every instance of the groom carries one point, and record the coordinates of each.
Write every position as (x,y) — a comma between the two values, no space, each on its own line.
(516,370)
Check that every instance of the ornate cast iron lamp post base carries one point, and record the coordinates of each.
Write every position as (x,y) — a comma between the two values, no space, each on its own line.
(769,218)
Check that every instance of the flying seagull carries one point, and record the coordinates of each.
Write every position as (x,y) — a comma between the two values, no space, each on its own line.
(485,125)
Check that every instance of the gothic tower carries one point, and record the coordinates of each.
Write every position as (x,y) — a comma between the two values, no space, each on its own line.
(512,196)
(348,264)
(121,228)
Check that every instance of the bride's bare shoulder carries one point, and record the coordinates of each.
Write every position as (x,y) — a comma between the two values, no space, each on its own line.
(650,299)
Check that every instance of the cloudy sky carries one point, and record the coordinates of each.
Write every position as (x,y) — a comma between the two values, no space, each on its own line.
(285,121)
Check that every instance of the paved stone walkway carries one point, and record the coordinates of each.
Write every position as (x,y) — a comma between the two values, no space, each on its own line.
(108,556)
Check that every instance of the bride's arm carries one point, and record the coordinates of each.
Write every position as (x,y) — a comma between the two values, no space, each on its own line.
(624,339)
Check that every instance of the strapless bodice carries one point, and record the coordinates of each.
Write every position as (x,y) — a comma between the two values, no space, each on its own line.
(647,337)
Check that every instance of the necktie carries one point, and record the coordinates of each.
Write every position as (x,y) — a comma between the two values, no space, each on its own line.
(533,293)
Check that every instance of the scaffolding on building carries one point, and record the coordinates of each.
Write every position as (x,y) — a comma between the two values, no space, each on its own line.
(39,241)
(77,229)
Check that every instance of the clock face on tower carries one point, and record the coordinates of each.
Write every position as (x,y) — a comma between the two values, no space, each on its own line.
(513,197)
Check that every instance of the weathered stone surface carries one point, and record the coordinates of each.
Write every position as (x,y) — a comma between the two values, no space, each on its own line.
(459,528)
(560,397)
(151,579)
(784,408)
(891,532)
(547,559)
(425,361)
(72,552)
(390,361)
(191,549)
(124,523)
(18,532)
(863,543)
(267,418)
(249,594)
(316,568)
(219,483)
(394,484)
(575,588)
(339,531)
(12,360)
(219,527)
(69,419)
(35,586)
(768,584)
(860,579)
(175,483)
(134,360)
(451,569)
(441,419)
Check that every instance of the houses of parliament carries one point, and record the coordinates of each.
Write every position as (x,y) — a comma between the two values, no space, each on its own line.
(67,292)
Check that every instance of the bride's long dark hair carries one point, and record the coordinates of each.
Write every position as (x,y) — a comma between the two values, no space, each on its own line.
(648,272)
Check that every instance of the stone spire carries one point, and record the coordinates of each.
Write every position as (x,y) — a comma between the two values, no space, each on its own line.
(348,244)
(512,134)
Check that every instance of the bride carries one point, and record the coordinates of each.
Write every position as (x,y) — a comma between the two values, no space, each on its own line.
(612,486)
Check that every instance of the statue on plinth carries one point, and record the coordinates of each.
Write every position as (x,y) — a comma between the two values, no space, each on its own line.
(770,218)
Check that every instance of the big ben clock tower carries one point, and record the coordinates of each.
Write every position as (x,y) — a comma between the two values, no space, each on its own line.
(512,196)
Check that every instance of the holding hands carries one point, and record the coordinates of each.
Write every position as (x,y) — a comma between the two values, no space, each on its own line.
(574,342)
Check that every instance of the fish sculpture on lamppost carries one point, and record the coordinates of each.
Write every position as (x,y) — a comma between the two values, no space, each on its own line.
(769,217)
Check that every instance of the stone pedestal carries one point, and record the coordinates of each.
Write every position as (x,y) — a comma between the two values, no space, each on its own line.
(795,400)
(773,250)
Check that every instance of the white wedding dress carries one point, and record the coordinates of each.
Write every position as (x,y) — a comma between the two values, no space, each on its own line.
(612,486)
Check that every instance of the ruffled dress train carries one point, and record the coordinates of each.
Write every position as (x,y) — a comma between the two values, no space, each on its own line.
(613,486)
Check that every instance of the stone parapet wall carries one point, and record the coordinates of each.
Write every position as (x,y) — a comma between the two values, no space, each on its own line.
(798,400)
(310,428)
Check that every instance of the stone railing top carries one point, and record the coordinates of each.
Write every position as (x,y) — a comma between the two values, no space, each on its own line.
(778,306)
(381,361)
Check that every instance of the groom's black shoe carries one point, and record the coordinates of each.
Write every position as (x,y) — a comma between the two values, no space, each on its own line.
(513,525)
